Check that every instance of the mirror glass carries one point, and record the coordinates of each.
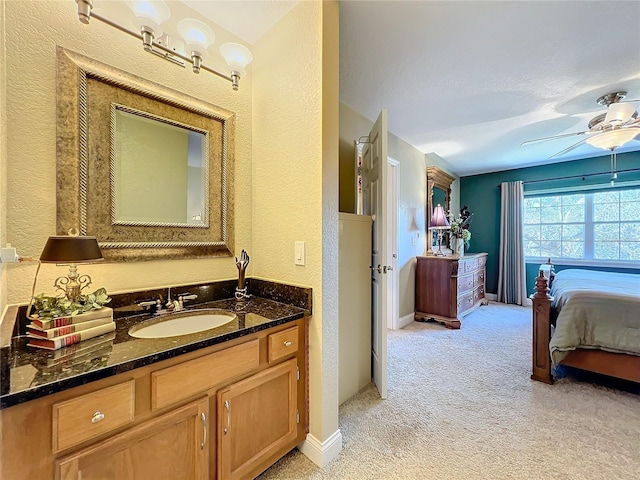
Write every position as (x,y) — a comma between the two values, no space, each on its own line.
(145,169)
(159,171)
(440,198)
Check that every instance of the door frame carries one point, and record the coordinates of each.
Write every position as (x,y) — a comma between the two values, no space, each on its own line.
(393,309)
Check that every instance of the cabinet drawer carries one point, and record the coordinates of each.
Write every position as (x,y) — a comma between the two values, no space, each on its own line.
(465,302)
(182,381)
(478,293)
(283,343)
(470,265)
(93,414)
(478,278)
(465,283)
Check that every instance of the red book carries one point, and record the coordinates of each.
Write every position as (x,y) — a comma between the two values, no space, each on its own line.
(34,331)
(65,340)
(46,324)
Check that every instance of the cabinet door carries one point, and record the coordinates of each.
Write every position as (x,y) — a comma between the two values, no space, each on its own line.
(134,454)
(257,421)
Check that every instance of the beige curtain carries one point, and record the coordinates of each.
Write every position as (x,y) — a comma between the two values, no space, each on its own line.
(512,284)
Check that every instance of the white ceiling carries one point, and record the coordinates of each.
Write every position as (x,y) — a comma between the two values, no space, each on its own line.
(247,19)
(470,81)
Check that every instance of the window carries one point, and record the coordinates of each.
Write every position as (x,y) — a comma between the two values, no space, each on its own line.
(603,226)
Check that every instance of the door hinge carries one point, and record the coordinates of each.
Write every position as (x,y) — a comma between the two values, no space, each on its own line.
(297,373)
(297,416)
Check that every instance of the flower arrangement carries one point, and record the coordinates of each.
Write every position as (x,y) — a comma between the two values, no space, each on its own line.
(459,225)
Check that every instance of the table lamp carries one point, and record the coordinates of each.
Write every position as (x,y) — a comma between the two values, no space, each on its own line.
(439,222)
(71,250)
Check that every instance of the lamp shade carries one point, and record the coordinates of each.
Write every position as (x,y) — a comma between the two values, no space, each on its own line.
(196,35)
(438,219)
(613,138)
(150,14)
(237,57)
(70,249)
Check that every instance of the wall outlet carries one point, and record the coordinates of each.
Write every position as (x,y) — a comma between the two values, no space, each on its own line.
(299,253)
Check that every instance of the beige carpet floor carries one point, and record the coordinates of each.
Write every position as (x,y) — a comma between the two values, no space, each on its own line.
(461,406)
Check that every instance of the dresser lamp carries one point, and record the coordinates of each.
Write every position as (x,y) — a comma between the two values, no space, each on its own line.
(71,250)
(439,222)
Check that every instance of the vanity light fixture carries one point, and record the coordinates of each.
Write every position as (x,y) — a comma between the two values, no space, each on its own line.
(149,15)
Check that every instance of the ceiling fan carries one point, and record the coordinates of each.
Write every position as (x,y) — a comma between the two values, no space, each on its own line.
(610,130)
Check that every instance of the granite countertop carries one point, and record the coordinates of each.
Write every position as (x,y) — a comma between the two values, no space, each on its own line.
(31,373)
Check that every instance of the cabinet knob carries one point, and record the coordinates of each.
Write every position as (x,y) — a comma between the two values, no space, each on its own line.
(97,417)
(288,343)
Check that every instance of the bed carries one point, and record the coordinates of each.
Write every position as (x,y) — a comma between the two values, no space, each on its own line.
(588,320)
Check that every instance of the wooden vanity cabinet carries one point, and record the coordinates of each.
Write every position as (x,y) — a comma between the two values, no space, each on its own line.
(257,419)
(163,421)
(135,453)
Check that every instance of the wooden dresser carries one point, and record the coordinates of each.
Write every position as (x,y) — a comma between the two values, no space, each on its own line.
(447,288)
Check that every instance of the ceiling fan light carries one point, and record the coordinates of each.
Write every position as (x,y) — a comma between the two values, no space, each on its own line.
(619,113)
(613,138)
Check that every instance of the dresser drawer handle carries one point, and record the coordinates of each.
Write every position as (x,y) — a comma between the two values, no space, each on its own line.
(288,343)
(97,417)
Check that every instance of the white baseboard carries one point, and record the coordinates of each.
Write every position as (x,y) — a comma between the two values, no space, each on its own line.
(321,453)
(406,320)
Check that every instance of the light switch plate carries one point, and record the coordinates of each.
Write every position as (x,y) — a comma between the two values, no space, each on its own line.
(299,253)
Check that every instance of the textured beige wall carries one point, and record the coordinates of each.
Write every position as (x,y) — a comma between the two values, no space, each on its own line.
(412,195)
(33,29)
(288,200)
(3,156)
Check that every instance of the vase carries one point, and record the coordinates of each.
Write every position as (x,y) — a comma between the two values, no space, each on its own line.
(457,246)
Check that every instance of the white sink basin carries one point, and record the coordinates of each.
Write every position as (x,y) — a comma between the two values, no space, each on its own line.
(182,324)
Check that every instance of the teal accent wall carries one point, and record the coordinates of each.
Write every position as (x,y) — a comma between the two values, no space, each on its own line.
(482,195)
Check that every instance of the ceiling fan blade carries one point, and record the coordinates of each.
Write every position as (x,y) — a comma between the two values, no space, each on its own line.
(555,136)
(568,149)
(621,112)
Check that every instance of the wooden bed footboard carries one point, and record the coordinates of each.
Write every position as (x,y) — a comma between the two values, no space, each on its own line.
(618,365)
(541,331)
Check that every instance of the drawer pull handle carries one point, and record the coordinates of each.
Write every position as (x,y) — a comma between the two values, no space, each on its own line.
(288,343)
(227,407)
(97,417)
(203,417)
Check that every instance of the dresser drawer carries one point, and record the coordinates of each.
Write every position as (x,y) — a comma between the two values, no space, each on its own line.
(465,302)
(470,265)
(478,278)
(478,293)
(465,283)
(93,414)
(283,343)
(182,381)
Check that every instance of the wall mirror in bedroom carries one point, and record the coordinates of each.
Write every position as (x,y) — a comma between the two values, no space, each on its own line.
(145,169)
(438,193)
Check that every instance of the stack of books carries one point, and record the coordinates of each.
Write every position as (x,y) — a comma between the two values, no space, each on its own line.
(55,333)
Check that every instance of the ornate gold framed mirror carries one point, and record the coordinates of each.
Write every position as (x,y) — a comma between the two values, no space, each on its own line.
(438,192)
(145,169)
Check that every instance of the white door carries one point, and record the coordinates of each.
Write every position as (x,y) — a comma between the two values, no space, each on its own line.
(374,186)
